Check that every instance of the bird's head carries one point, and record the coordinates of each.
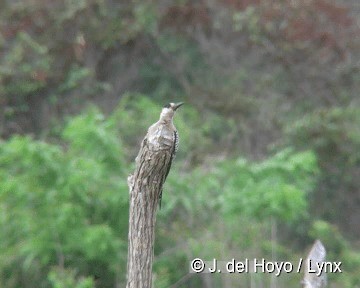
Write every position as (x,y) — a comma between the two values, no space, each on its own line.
(168,111)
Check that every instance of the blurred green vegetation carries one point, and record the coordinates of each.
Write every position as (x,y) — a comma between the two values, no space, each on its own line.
(269,136)
(65,206)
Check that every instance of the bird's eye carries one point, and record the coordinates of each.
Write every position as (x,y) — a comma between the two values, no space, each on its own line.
(167,105)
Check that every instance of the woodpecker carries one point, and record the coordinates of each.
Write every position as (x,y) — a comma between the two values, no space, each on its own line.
(163,138)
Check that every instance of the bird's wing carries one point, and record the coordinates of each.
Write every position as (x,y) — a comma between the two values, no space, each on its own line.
(173,155)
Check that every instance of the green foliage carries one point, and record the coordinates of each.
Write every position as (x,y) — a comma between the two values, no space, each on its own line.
(327,129)
(64,206)
(160,80)
(67,279)
(248,19)
(75,76)
(44,48)
(133,116)
(334,136)
(256,76)
(96,139)
(275,187)
(145,17)
(136,111)
(338,249)
(24,66)
(224,209)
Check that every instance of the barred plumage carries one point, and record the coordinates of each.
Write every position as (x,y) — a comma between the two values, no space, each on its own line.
(162,136)
(173,155)
(176,140)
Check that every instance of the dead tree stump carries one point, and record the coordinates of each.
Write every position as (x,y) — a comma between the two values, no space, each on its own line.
(144,187)
(317,254)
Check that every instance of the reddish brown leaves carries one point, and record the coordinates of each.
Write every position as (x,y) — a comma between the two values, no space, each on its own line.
(182,16)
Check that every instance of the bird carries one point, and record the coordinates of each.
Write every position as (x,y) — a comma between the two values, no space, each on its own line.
(158,148)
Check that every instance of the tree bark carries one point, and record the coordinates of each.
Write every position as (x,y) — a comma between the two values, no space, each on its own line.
(317,254)
(144,187)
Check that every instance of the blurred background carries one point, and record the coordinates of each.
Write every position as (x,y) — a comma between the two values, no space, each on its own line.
(269,156)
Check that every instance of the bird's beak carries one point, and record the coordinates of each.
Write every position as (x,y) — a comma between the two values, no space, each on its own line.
(177,105)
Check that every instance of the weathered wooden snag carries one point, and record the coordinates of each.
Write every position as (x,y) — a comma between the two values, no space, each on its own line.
(145,187)
(317,254)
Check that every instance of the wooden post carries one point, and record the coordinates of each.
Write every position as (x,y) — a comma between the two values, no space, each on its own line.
(317,254)
(144,187)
